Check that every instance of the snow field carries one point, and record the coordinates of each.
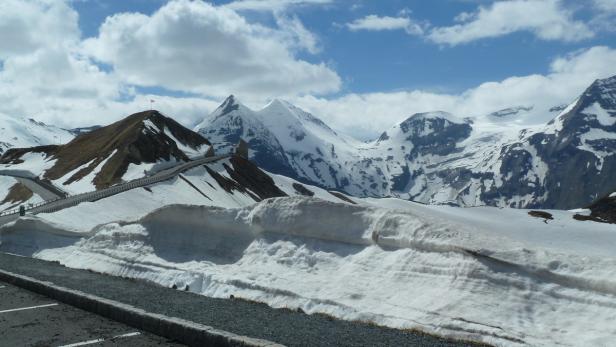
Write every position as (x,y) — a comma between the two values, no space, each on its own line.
(449,271)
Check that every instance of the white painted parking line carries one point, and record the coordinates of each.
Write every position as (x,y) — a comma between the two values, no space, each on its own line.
(27,308)
(2,287)
(91,342)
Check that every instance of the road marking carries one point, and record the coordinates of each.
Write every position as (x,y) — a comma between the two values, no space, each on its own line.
(2,287)
(27,308)
(91,342)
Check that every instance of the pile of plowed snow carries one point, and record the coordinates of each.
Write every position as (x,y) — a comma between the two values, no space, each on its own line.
(407,267)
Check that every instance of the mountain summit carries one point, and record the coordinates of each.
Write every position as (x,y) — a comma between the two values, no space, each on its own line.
(120,151)
(283,139)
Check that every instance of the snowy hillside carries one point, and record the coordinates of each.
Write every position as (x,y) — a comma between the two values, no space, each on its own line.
(136,146)
(439,158)
(283,139)
(15,193)
(16,132)
(495,275)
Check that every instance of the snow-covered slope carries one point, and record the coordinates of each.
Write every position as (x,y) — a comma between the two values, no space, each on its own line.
(493,275)
(138,145)
(439,158)
(17,132)
(14,193)
(283,139)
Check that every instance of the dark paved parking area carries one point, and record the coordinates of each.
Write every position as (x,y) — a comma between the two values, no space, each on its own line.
(29,319)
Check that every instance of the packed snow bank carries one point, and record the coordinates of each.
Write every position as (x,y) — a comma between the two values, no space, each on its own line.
(27,236)
(406,267)
(562,234)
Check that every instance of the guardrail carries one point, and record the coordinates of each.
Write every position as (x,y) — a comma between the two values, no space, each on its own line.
(73,200)
(28,207)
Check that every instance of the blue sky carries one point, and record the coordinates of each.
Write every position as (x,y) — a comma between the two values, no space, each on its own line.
(359,65)
(374,61)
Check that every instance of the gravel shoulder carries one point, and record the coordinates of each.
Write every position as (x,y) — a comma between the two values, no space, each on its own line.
(241,317)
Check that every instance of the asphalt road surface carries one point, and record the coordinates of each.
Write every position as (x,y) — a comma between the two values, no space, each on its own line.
(29,319)
(287,327)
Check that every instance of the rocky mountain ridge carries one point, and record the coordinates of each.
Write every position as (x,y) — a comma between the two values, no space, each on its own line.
(107,155)
(438,158)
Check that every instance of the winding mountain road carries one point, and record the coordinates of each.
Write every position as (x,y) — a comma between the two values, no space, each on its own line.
(59,202)
(44,189)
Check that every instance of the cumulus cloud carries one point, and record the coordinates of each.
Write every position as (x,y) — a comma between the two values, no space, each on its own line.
(546,19)
(48,72)
(194,46)
(25,26)
(368,114)
(42,76)
(272,5)
(376,23)
(605,15)
(297,36)
(605,5)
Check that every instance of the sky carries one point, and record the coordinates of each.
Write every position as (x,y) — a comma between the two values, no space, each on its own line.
(360,65)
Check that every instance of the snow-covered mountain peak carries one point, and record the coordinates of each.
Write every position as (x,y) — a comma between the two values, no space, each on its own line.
(428,124)
(283,114)
(277,111)
(231,105)
(19,132)
(605,87)
(433,115)
(277,104)
(594,109)
(599,100)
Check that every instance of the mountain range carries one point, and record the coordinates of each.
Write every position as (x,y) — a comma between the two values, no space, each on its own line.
(439,158)
(432,157)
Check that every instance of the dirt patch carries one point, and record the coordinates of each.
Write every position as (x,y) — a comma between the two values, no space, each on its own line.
(250,176)
(300,189)
(17,194)
(247,178)
(14,155)
(541,214)
(342,197)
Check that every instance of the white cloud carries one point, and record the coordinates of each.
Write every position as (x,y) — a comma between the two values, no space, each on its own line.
(605,5)
(25,26)
(194,46)
(605,15)
(546,19)
(272,5)
(369,114)
(48,73)
(376,23)
(297,35)
(42,75)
